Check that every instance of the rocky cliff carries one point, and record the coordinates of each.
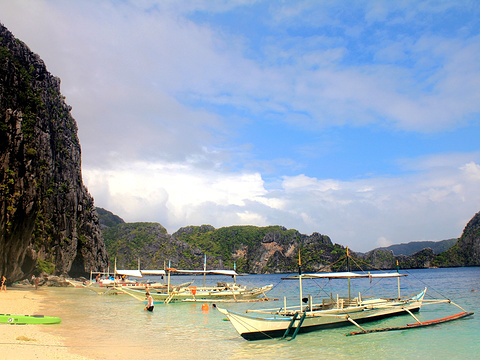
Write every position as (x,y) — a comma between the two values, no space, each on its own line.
(385,259)
(466,251)
(47,218)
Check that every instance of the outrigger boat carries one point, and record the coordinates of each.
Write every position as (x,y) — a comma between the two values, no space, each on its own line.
(332,312)
(221,292)
(106,283)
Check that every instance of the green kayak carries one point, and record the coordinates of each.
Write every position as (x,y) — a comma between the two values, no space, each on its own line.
(28,319)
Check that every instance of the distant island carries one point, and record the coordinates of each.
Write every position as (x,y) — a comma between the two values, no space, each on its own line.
(412,247)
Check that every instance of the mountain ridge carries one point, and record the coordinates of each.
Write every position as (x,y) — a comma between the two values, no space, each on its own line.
(412,247)
(270,249)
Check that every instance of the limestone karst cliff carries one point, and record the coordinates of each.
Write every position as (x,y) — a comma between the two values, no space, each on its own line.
(466,251)
(47,218)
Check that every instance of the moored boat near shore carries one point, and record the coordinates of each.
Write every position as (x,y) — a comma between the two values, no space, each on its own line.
(222,291)
(310,315)
(105,283)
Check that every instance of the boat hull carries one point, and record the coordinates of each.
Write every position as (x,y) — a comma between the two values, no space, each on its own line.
(199,294)
(100,288)
(257,328)
(310,325)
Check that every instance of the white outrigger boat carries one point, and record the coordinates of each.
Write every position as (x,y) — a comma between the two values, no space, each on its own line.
(332,312)
(107,283)
(221,292)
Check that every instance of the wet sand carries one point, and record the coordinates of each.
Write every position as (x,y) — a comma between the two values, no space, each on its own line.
(30,341)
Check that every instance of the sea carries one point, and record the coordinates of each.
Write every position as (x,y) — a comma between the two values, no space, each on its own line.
(117,327)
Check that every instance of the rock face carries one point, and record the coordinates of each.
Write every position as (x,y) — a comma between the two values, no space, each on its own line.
(466,251)
(47,218)
(385,259)
(469,243)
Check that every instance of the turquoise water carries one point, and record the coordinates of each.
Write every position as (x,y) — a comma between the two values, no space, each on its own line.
(117,327)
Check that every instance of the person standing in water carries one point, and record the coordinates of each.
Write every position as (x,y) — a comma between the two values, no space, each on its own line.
(149,306)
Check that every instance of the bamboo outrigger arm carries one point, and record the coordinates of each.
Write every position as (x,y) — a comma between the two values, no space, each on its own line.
(408,311)
(134,296)
(355,323)
(415,325)
(170,297)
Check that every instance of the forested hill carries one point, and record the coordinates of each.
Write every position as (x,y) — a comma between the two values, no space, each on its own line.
(416,246)
(271,249)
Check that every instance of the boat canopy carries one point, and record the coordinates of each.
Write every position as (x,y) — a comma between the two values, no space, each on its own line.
(134,273)
(345,275)
(153,272)
(207,272)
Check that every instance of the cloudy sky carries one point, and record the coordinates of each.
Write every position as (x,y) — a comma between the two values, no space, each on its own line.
(355,119)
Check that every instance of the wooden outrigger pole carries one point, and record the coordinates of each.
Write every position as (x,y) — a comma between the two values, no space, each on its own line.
(348,269)
(419,323)
(168,277)
(204,269)
(398,281)
(414,325)
(300,280)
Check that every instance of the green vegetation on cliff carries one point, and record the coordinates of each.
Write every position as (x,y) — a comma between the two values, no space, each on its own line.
(253,249)
(47,219)
(416,246)
(270,249)
(466,251)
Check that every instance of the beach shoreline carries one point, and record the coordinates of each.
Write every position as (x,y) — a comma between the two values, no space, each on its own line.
(31,341)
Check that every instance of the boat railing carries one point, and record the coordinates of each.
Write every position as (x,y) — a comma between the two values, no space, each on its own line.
(345,302)
(326,304)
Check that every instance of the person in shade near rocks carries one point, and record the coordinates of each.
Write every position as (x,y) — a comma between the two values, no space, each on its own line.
(149,306)
(4,286)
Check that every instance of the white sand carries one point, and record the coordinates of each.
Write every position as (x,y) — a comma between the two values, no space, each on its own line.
(29,341)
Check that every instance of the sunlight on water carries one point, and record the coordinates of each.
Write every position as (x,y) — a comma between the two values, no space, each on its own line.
(117,327)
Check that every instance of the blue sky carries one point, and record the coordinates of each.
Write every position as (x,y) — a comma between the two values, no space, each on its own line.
(355,119)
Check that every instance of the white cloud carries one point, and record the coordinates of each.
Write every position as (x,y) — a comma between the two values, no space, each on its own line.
(163,104)
(362,214)
(472,171)
(383,242)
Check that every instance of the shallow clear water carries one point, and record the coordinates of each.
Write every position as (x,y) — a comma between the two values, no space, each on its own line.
(117,327)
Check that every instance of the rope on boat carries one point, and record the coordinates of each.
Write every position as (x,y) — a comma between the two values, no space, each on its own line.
(424,283)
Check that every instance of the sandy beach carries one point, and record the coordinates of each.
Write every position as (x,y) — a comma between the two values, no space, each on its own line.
(30,341)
